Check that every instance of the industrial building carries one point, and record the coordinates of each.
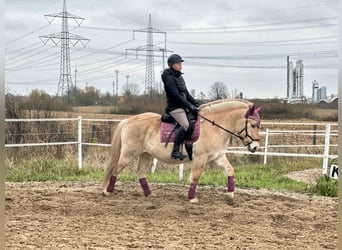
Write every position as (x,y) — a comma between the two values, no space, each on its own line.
(318,93)
(295,81)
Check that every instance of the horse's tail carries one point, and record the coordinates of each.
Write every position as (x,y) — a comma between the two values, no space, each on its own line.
(114,154)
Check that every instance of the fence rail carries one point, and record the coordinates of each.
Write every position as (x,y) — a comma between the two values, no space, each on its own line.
(325,144)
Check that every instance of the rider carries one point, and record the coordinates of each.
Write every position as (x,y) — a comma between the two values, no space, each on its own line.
(179,101)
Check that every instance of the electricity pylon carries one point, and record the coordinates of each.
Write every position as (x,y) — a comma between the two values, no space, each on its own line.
(64,38)
(150,48)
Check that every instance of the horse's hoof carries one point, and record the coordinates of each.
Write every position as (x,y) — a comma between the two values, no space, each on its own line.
(194,200)
(151,195)
(107,194)
(229,197)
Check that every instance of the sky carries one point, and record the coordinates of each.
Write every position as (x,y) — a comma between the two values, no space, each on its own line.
(243,44)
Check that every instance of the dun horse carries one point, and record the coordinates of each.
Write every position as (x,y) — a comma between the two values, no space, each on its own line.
(139,136)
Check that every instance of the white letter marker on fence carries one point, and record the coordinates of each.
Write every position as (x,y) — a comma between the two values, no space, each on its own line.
(333,172)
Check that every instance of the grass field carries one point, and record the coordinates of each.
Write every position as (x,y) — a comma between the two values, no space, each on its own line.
(247,174)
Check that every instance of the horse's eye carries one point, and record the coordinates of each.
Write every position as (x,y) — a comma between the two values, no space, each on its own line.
(253,126)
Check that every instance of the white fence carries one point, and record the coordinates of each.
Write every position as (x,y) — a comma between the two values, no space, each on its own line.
(325,135)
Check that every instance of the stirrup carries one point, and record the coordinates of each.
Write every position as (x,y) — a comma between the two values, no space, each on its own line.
(178,155)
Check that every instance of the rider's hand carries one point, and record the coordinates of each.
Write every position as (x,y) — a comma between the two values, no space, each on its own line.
(194,109)
(197,103)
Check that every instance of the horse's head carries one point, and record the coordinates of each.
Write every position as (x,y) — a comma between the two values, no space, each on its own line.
(251,135)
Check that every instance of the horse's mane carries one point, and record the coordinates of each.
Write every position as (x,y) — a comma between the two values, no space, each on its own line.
(225,104)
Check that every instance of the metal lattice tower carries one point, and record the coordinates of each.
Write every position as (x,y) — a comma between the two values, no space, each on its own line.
(65,38)
(149,68)
(150,48)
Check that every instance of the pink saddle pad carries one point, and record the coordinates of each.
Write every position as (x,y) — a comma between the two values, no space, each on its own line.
(166,129)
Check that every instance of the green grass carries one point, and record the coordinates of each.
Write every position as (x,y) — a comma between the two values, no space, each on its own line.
(247,174)
(270,176)
(48,169)
(327,186)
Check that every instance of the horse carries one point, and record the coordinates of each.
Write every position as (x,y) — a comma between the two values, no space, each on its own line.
(139,136)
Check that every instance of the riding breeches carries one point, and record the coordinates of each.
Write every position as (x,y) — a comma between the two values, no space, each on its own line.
(180,116)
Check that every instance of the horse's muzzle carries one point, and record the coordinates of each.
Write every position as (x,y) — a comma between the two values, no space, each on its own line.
(253,147)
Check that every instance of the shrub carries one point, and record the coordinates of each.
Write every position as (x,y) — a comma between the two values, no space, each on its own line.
(326,186)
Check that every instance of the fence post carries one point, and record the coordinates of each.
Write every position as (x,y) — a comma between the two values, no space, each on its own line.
(314,134)
(266,145)
(181,171)
(326,150)
(79,143)
(154,165)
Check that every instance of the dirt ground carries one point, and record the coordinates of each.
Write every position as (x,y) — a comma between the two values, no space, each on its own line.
(308,176)
(74,215)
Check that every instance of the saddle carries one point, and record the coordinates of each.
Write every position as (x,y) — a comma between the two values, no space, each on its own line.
(169,126)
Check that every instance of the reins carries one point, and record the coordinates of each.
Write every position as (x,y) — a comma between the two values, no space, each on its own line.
(219,126)
(230,132)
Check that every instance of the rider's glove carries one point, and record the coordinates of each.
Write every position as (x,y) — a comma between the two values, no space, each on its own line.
(192,108)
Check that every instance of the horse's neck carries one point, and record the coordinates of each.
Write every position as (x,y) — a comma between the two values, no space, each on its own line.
(231,121)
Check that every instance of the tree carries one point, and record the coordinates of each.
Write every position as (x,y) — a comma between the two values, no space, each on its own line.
(38,100)
(130,90)
(218,91)
(89,96)
(202,96)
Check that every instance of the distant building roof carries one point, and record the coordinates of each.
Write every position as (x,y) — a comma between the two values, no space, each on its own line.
(333,103)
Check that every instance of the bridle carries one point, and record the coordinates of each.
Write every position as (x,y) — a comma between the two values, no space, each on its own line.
(238,135)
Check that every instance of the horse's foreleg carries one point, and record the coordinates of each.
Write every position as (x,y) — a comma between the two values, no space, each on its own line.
(196,172)
(144,164)
(229,172)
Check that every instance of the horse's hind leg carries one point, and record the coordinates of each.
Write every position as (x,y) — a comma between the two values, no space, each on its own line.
(144,165)
(229,172)
(116,168)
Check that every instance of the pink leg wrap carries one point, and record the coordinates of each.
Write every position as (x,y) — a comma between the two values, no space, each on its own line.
(111,185)
(231,184)
(192,191)
(144,186)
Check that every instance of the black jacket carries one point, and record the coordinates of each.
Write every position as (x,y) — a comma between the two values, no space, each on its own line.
(177,95)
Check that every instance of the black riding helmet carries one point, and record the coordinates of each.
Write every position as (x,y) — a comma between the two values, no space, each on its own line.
(173,59)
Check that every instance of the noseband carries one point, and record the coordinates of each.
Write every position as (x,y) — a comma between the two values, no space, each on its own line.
(238,135)
(247,135)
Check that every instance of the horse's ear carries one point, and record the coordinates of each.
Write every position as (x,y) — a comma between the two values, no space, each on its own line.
(251,110)
(258,109)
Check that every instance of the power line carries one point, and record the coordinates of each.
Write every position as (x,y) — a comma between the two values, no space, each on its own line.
(111,75)
(43,60)
(104,28)
(262,43)
(312,66)
(27,34)
(23,48)
(263,56)
(23,58)
(252,25)
(249,12)
(101,67)
(26,53)
(221,28)
(255,30)
(30,83)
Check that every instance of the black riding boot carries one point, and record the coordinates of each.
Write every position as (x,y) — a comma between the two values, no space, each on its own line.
(176,154)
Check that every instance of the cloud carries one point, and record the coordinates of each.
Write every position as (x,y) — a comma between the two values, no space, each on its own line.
(190,32)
